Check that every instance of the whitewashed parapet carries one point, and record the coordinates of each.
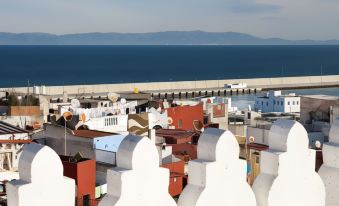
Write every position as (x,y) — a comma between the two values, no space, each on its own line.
(218,176)
(288,174)
(137,180)
(329,171)
(41,180)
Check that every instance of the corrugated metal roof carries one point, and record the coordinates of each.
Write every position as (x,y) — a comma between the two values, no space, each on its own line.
(6,128)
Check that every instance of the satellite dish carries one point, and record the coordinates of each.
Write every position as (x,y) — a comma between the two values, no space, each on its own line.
(68,116)
(83,117)
(169,120)
(75,103)
(113,97)
(317,144)
(251,139)
(123,101)
(198,126)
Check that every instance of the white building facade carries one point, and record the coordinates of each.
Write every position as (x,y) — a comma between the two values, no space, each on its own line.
(274,101)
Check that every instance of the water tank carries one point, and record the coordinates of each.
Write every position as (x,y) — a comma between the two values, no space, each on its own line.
(36,90)
(43,89)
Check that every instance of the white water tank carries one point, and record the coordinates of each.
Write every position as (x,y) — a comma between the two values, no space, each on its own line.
(43,89)
(36,90)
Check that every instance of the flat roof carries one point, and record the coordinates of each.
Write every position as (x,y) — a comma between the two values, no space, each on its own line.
(6,128)
(92,100)
(174,133)
(91,133)
(322,96)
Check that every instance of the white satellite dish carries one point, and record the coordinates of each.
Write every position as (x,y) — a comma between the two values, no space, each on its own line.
(123,101)
(318,144)
(113,97)
(251,139)
(75,103)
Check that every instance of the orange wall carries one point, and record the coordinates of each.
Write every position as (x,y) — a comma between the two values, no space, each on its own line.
(177,170)
(175,167)
(24,111)
(84,174)
(187,114)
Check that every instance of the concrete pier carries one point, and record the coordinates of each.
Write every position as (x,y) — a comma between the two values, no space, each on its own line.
(192,88)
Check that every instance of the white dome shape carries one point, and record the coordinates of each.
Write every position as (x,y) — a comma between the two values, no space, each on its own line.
(41,180)
(329,171)
(218,176)
(137,179)
(288,174)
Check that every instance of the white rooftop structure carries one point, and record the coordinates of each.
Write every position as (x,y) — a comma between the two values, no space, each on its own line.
(12,139)
(288,174)
(329,171)
(41,180)
(137,179)
(218,176)
(107,116)
(274,101)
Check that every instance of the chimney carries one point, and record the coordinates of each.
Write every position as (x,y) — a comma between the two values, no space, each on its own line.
(151,135)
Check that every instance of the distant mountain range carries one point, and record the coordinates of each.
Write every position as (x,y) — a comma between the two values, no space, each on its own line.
(155,38)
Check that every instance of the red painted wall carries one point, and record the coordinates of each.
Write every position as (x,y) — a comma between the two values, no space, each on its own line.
(84,174)
(175,167)
(179,150)
(177,170)
(187,114)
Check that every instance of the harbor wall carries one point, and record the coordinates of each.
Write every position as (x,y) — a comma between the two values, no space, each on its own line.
(263,83)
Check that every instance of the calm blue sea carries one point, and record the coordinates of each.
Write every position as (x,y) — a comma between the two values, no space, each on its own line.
(64,65)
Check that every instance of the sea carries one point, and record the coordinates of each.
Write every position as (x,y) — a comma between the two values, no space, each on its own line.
(73,65)
(66,65)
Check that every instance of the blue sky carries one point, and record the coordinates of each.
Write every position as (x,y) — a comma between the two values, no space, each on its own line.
(290,19)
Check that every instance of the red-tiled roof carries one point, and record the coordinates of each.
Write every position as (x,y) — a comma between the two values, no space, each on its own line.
(91,133)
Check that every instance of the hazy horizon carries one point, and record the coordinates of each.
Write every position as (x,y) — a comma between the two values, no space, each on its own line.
(288,19)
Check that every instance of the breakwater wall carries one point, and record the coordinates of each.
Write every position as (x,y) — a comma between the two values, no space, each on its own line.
(158,87)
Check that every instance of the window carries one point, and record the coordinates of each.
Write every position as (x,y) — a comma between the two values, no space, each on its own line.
(282,103)
(257,159)
(288,103)
(266,103)
(274,102)
(180,124)
(293,102)
(297,102)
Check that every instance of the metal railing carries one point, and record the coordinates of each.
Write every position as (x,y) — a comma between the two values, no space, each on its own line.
(84,202)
